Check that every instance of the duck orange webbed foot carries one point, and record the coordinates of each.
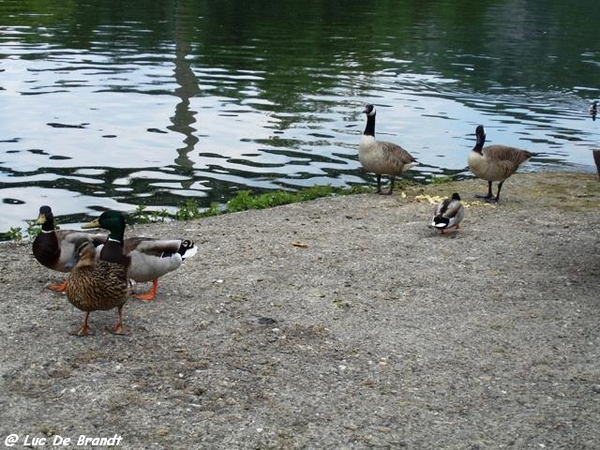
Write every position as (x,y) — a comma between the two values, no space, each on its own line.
(451,230)
(150,294)
(118,330)
(84,330)
(80,332)
(59,287)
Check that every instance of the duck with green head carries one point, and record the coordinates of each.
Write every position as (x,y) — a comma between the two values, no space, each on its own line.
(148,258)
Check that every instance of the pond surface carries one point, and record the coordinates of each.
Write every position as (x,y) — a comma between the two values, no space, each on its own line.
(115,104)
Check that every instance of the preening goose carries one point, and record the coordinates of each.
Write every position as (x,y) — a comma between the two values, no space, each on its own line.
(380,157)
(449,213)
(494,162)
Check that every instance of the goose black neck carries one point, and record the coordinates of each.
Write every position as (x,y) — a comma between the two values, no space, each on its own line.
(479,144)
(370,128)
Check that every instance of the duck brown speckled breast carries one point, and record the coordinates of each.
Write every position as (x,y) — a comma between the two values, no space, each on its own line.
(101,286)
(95,285)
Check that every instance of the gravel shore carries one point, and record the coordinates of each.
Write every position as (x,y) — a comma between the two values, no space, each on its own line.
(340,323)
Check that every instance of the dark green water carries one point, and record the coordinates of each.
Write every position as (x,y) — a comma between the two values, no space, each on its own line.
(114,104)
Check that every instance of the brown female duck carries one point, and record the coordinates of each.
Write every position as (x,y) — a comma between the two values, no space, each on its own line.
(95,285)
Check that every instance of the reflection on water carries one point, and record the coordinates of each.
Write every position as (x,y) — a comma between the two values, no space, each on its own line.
(110,105)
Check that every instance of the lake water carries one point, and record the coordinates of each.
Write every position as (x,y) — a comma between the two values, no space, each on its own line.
(115,104)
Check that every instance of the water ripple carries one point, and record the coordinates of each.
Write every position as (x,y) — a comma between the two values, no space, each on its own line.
(131,109)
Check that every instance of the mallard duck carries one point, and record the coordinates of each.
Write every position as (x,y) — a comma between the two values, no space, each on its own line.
(57,249)
(97,285)
(149,258)
(494,163)
(449,213)
(380,157)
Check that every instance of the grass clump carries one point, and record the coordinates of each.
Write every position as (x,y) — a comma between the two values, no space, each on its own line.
(14,234)
(140,215)
(17,234)
(243,200)
(441,179)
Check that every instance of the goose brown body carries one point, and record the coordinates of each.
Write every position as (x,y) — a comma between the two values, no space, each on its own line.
(384,158)
(497,162)
(95,285)
(494,162)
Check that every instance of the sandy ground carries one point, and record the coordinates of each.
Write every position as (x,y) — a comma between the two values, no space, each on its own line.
(341,323)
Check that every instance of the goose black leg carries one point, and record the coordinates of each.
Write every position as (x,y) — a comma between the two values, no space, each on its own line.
(489,197)
(392,180)
(497,199)
(378,191)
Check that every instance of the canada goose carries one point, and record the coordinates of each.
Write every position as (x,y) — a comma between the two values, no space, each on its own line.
(494,162)
(449,213)
(594,109)
(380,157)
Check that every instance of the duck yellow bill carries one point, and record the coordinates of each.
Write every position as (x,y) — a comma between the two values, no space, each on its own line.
(93,224)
